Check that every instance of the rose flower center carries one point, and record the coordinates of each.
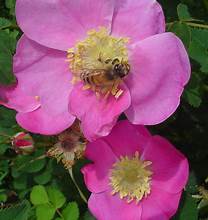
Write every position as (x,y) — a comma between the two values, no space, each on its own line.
(101,62)
(130,177)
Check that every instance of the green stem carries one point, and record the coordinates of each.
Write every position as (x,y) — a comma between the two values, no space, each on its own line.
(5,135)
(11,26)
(205,88)
(59,213)
(44,144)
(75,183)
(197,25)
(31,161)
(190,24)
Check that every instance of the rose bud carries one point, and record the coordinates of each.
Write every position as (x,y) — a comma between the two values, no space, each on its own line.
(23,143)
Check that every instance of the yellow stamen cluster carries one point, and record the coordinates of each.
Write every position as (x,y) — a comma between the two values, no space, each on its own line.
(131,178)
(91,54)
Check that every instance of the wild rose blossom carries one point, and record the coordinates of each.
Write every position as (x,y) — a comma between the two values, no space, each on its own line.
(64,39)
(134,175)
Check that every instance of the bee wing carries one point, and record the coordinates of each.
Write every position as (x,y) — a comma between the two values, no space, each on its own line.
(90,73)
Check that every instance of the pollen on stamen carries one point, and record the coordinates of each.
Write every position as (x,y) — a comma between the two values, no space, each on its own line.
(131,178)
(93,61)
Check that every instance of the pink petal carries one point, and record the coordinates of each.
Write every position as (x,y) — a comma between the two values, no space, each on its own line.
(159,204)
(169,166)
(166,202)
(98,116)
(43,73)
(96,174)
(160,69)
(152,211)
(39,121)
(138,19)
(104,206)
(126,139)
(60,23)
(13,97)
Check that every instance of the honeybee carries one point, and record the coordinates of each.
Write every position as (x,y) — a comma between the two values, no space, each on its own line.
(106,79)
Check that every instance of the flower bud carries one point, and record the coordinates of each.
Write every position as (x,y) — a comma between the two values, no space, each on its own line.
(23,143)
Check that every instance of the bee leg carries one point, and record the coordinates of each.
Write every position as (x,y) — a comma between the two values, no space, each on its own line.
(100,57)
(93,87)
(116,60)
(119,93)
(128,67)
(74,80)
(114,89)
(106,94)
(108,61)
(97,94)
(87,86)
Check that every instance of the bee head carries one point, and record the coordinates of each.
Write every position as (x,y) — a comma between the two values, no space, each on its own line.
(121,69)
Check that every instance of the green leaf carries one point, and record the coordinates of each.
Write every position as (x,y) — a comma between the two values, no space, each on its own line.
(35,166)
(193,98)
(200,35)
(7,46)
(20,182)
(71,212)
(198,52)
(88,216)
(10,4)
(56,197)
(7,118)
(193,92)
(188,208)
(183,31)
(204,67)
(38,195)
(3,147)
(183,12)
(3,197)
(43,178)
(192,186)
(45,212)
(29,163)
(203,207)
(17,212)
(4,23)
(199,48)
(4,169)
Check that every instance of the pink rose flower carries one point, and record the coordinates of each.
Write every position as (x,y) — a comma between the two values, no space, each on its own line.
(134,175)
(141,70)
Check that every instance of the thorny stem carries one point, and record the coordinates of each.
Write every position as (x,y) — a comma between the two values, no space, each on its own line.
(75,183)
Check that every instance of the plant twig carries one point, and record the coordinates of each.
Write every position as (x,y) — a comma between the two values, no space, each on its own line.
(197,25)
(59,213)
(205,26)
(5,135)
(31,161)
(75,183)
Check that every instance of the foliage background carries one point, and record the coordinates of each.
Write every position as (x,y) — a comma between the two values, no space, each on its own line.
(35,187)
